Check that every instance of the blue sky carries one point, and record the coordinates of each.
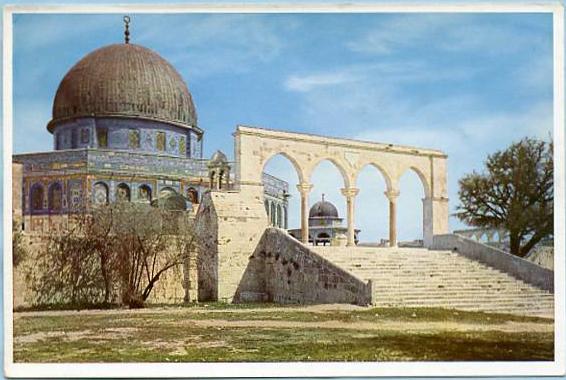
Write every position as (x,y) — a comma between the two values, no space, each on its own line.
(468,84)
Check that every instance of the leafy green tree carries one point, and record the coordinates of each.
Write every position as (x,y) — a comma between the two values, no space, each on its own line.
(515,193)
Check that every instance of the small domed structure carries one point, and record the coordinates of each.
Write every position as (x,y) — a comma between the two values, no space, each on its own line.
(175,202)
(218,157)
(171,202)
(124,80)
(323,209)
(325,225)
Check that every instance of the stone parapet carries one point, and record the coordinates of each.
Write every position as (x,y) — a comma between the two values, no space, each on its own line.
(505,262)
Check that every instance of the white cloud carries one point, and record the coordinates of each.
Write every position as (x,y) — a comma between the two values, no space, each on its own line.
(384,73)
(310,82)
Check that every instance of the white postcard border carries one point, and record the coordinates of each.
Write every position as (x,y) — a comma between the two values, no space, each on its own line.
(300,369)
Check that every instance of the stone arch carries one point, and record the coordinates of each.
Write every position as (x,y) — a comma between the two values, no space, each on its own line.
(384,174)
(337,164)
(422,177)
(372,183)
(144,193)
(409,201)
(37,196)
(123,193)
(290,158)
(55,197)
(255,146)
(100,193)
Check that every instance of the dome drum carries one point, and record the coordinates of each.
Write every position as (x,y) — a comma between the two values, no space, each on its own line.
(136,135)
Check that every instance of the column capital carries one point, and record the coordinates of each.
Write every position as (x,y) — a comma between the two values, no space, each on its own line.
(350,192)
(392,195)
(304,188)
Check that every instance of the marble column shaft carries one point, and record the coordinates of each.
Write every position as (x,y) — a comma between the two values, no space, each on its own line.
(350,194)
(304,190)
(392,196)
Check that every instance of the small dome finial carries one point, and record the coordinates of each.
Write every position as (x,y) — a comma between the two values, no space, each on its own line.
(323,197)
(127,29)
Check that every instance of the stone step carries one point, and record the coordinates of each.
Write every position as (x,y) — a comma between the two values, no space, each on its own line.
(463,292)
(447,269)
(455,298)
(459,281)
(470,304)
(420,278)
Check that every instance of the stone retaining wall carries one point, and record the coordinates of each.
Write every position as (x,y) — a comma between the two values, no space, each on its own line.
(283,270)
(505,262)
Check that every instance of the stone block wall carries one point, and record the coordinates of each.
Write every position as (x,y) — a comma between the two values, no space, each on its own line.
(17,196)
(283,270)
(175,286)
(229,226)
(505,262)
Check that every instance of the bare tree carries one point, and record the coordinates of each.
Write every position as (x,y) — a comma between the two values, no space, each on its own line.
(121,249)
(148,243)
(73,265)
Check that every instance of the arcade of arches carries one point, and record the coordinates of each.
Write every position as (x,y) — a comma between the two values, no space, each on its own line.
(255,146)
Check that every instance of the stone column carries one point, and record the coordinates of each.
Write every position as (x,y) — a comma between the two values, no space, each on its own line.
(350,194)
(304,189)
(392,196)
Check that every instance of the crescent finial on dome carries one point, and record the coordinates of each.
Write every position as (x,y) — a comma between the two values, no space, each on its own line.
(127,29)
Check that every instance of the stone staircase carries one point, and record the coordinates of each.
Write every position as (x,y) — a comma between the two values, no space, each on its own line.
(417,277)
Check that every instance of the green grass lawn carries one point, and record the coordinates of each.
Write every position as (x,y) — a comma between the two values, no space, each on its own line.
(228,333)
